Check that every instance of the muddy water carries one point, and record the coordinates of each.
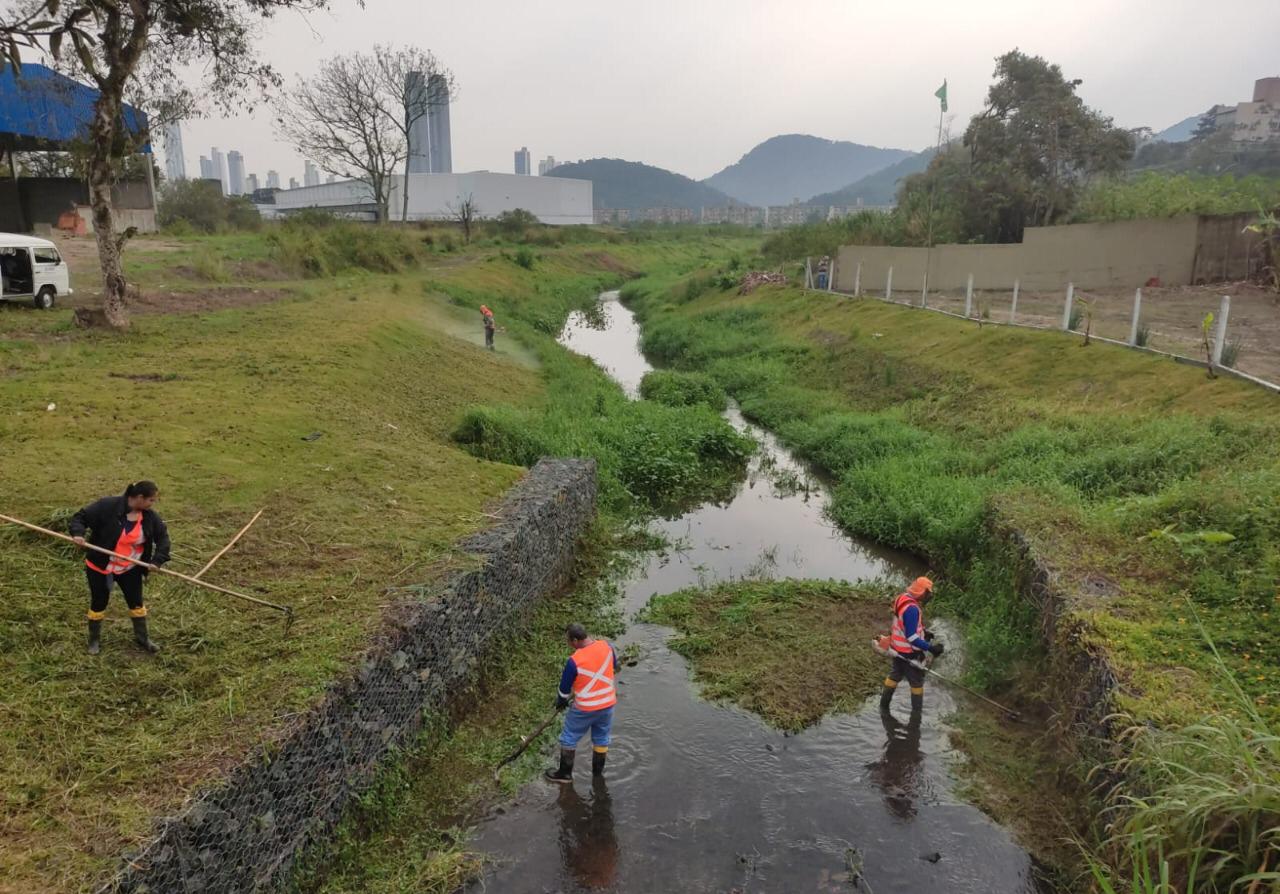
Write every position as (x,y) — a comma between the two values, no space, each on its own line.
(705,797)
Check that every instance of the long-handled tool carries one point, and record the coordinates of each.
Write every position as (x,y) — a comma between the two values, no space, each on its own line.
(525,742)
(288,612)
(222,552)
(881,649)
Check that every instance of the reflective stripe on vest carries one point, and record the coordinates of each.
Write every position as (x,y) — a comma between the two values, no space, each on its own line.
(593,687)
(898,637)
(129,544)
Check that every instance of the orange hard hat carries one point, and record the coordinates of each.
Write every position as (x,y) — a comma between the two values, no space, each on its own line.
(920,586)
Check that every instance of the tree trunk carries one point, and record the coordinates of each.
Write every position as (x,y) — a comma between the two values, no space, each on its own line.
(404,188)
(101,176)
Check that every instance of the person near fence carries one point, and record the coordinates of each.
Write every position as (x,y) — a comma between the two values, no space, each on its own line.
(127,525)
(587,690)
(824,271)
(908,640)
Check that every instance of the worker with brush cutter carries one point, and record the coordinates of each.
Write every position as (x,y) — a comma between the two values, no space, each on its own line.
(587,682)
(127,525)
(909,642)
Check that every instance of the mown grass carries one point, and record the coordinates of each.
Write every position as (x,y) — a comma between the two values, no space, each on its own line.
(742,637)
(214,405)
(1122,472)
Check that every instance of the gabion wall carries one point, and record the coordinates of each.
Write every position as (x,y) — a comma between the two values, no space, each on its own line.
(246,833)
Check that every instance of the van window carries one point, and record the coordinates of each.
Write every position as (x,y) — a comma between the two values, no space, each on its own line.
(46,255)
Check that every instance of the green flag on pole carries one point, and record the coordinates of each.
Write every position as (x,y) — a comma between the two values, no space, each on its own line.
(942,94)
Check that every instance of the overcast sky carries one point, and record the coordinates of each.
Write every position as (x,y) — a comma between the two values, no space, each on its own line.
(691,85)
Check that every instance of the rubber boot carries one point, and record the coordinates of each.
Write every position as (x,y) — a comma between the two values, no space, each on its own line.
(886,696)
(140,634)
(95,637)
(565,773)
(597,762)
(917,704)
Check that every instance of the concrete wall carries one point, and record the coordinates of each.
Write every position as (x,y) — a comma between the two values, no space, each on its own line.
(39,201)
(1093,256)
(246,833)
(554,200)
(1225,251)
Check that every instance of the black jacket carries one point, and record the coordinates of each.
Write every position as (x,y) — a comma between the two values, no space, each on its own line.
(106,519)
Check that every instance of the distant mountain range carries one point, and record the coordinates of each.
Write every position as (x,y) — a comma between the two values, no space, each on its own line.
(1180,132)
(792,167)
(630,184)
(880,188)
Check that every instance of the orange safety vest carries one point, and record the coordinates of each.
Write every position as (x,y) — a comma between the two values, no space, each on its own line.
(129,544)
(898,636)
(593,688)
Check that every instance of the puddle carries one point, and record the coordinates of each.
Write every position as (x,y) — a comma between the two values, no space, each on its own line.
(703,797)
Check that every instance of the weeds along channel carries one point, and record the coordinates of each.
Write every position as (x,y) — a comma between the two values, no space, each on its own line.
(1147,493)
(317,370)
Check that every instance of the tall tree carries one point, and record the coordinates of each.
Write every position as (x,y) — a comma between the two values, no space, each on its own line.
(123,45)
(403,76)
(1029,152)
(342,120)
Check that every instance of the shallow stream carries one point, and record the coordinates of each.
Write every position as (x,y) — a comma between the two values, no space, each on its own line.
(706,797)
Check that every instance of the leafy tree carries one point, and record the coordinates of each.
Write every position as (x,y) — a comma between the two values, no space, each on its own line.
(200,205)
(514,222)
(1029,153)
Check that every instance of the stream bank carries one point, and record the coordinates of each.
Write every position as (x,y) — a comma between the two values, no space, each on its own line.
(706,796)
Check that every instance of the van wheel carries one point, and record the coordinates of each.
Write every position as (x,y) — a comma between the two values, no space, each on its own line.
(44,300)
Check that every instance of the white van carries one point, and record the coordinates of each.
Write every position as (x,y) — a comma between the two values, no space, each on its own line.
(31,269)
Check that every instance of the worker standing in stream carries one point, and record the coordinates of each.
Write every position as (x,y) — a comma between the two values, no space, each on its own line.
(908,642)
(129,526)
(587,681)
(489,326)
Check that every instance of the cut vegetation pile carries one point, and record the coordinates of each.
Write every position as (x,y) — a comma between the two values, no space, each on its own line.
(1147,493)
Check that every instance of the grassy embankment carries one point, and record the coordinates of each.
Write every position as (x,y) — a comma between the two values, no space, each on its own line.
(248,344)
(1122,472)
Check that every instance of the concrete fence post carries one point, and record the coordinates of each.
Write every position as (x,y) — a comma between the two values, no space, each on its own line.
(1066,308)
(831,276)
(968,298)
(924,290)
(1137,316)
(857,281)
(808,274)
(1013,308)
(888,286)
(1220,339)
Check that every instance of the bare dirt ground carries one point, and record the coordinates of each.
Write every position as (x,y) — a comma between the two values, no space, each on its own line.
(82,256)
(1173,316)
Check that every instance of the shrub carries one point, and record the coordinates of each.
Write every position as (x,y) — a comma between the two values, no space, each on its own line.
(682,389)
(515,222)
(198,205)
(525,257)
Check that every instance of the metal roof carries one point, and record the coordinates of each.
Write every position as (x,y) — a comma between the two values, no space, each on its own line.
(43,110)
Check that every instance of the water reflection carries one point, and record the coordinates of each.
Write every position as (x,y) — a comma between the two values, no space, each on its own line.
(588,845)
(900,770)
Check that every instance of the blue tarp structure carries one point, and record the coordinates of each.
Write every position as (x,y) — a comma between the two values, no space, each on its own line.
(42,110)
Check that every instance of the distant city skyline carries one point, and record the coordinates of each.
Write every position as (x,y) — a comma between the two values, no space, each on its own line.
(839,81)
(523,164)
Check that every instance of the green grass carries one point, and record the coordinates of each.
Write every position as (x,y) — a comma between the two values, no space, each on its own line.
(683,389)
(214,405)
(741,638)
(1119,471)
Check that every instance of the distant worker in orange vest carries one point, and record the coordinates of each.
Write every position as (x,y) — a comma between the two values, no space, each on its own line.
(587,682)
(489,326)
(129,526)
(908,642)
